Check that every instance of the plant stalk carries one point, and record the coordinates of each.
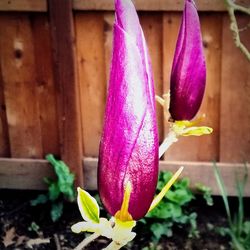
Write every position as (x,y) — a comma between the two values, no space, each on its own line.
(86,241)
(168,141)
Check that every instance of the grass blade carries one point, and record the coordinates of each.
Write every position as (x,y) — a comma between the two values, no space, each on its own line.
(223,192)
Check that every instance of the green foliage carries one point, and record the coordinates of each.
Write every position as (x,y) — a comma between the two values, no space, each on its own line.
(64,183)
(207,193)
(238,228)
(34,227)
(172,210)
(58,190)
(41,199)
(56,211)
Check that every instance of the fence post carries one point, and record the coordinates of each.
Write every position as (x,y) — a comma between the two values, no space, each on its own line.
(67,88)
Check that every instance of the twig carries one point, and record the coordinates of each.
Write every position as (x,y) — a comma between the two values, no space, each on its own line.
(58,245)
(232,7)
(86,241)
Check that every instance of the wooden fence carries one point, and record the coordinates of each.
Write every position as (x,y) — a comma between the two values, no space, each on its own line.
(54,71)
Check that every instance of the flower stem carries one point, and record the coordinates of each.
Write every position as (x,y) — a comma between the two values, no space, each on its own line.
(168,141)
(86,241)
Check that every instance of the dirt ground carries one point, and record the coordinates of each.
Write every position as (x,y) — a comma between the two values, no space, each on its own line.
(17,216)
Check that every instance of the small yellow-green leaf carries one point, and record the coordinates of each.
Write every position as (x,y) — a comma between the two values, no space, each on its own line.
(88,206)
(197,131)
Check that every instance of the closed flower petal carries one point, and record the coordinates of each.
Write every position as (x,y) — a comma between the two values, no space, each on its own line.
(188,76)
(129,144)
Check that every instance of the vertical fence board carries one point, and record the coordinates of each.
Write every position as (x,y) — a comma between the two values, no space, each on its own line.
(91,70)
(208,146)
(235,98)
(203,148)
(152,27)
(4,132)
(108,43)
(17,63)
(63,43)
(46,87)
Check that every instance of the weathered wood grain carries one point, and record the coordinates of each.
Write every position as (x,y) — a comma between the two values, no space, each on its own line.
(45,85)
(149,5)
(64,64)
(109,18)
(4,131)
(29,174)
(154,5)
(198,172)
(20,92)
(235,98)
(24,173)
(91,71)
(208,146)
(23,5)
(152,28)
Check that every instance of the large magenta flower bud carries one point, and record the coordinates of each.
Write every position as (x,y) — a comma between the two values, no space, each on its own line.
(188,76)
(128,154)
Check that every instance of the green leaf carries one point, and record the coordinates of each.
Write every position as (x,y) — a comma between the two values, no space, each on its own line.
(54,191)
(183,219)
(180,196)
(207,193)
(34,227)
(65,181)
(223,191)
(246,227)
(182,183)
(193,223)
(160,229)
(164,177)
(223,231)
(88,206)
(56,211)
(41,199)
(165,210)
(143,221)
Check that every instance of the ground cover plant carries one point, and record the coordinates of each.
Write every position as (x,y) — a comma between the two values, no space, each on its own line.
(59,189)
(172,209)
(17,216)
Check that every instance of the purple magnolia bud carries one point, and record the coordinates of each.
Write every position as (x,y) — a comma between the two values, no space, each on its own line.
(129,144)
(188,76)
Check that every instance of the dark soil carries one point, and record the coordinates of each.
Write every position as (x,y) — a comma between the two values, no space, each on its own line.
(16,216)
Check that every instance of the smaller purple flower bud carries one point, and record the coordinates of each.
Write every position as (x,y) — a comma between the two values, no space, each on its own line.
(188,76)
